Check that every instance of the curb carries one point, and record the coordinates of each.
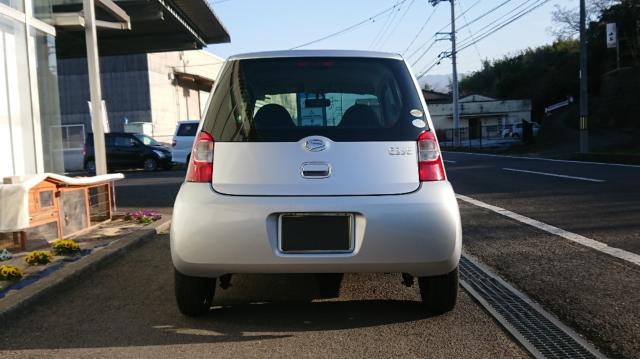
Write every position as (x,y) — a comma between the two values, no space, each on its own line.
(13,305)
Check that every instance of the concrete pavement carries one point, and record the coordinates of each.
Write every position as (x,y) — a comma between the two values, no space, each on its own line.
(128,310)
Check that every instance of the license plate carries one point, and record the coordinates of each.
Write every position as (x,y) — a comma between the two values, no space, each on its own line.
(316,233)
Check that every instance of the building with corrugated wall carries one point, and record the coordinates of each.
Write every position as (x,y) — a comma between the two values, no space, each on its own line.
(158,88)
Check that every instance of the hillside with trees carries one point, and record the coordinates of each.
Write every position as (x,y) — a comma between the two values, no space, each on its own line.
(549,74)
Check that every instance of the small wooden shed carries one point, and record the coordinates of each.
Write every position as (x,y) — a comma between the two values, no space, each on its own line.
(49,207)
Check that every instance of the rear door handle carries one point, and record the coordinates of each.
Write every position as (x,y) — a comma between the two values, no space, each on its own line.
(315,170)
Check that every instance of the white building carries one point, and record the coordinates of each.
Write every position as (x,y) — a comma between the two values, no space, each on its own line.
(478,111)
(35,35)
(149,92)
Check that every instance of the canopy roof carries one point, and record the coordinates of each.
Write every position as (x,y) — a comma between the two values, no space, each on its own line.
(154,26)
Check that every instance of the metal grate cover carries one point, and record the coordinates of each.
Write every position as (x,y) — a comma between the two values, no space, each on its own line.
(538,331)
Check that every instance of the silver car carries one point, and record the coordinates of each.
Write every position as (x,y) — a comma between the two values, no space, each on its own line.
(319,162)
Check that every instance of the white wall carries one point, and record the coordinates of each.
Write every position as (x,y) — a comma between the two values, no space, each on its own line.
(513,111)
(17,142)
(169,101)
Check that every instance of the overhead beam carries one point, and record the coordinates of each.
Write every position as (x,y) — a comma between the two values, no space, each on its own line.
(114,10)
(101,24)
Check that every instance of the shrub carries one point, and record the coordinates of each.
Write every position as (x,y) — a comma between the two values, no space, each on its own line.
(37,258)
(65,247)
(9,272)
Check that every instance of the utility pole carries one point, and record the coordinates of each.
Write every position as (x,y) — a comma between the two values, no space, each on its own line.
(454,64)
(584,105)
(97,116)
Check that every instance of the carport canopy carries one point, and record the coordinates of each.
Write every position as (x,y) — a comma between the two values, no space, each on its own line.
(137,26)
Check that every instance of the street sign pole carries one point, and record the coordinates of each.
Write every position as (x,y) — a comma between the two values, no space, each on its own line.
(93,64)
(584,109)
(612,40)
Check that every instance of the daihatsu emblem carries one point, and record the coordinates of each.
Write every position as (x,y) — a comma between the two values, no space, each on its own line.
(315,145)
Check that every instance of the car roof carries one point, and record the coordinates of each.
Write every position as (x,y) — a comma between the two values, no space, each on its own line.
(316,53)
(188,121)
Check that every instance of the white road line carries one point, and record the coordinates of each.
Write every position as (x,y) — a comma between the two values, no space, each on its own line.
(587,242)
(545,159)
(449,161)
(554,175)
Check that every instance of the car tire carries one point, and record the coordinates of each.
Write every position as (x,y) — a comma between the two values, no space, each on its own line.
(90,167)
(329,284)
(150,164)
(194,294)
(439,293)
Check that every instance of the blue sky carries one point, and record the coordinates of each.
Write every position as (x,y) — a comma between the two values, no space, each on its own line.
(258,25)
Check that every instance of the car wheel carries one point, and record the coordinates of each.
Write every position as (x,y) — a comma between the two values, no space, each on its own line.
(150,164)
(90,167)
(194,294)
(439,293)
(329,284)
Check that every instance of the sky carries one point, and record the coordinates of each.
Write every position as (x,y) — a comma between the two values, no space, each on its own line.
(259,25)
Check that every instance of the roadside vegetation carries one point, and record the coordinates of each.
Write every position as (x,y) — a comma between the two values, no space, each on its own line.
(549,74)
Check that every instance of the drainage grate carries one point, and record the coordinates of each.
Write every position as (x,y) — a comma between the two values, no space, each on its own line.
(539,332)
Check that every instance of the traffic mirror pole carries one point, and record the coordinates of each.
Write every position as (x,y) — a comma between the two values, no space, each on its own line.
(93,64)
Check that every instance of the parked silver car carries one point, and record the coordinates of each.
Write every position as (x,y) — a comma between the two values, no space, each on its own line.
(319,162)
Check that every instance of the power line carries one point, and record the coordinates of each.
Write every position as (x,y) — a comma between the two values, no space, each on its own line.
(498,27)
(501,18)
(348,28)
(493,30)
(469,29)
(486,13)
(383,29)
(497,20)
(441,29)
(420,31)
(404,14)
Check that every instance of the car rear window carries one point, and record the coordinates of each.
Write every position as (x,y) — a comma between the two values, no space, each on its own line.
(187,129)
(287,99)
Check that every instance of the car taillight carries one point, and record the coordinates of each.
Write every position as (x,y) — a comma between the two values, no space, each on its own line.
(201,160)
(84,149)
(430,167)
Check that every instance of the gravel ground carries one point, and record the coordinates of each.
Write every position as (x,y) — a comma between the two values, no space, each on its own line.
(596,294)
(127,309)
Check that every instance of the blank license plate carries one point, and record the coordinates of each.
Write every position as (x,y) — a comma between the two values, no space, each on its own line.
(301,233)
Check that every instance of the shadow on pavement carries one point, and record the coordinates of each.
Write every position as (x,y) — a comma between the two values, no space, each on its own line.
(131,303)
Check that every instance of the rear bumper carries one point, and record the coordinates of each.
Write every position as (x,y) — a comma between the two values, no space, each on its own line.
(417,233)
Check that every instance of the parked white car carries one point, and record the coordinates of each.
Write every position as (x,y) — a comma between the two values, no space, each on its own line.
(183,139)
(515,130)
(322,162)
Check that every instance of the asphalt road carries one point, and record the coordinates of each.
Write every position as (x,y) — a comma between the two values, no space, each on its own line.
(127,309)
(606,211)
(593,292)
